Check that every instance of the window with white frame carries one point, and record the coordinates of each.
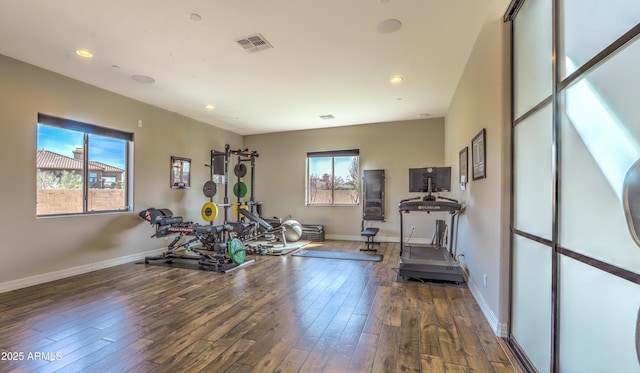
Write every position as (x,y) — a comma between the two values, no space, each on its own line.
(81,168)
(333,178)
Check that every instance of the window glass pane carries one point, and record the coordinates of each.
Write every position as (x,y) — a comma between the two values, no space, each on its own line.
(346,176)
(531,300)
(107,170)
(60,170)
(600,143)
(533,174)
(598,318)
(532,55)
(320,180)
(591,25)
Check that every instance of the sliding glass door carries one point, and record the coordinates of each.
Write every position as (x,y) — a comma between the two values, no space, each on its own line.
(575,294)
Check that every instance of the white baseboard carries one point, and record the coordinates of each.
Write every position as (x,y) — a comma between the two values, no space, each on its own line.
(57,275)
(499,329)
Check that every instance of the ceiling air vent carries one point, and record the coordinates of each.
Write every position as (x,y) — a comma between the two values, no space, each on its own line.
(255,43)
(327,116)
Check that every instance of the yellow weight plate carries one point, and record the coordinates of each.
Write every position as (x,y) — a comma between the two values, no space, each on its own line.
(234,208)
(209,211)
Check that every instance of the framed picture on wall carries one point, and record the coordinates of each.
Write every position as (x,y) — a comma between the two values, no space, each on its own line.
(464,166)
(478,154)
(180,173)
(463,163)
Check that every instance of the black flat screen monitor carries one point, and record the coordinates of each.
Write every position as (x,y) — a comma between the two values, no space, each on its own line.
(440,178)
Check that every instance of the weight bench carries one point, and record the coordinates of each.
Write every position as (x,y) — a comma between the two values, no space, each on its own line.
(369,233)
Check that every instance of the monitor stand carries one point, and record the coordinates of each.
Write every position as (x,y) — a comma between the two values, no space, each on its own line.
(429,263)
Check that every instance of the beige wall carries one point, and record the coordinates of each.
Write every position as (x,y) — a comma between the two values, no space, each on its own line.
(394,147)
(482,101)
(37,249)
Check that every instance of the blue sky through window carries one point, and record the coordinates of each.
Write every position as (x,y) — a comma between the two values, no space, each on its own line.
(322,165)
(107,150)
(101,149)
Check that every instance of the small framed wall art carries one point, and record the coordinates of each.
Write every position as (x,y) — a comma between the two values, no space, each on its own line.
(478,155)
(180,173)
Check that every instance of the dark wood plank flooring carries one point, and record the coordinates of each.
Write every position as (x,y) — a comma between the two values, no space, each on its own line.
(280,314)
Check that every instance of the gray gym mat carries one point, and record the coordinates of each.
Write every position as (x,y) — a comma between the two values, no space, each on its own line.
(338,255)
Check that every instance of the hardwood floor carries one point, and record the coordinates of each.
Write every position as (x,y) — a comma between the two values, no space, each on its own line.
(280,314)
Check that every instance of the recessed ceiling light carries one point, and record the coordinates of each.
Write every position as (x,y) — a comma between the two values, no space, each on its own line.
(143,79)
(423,115)
(195,17)
(327,116)
(84,53)
(209,107)
(388,26)
(396,79)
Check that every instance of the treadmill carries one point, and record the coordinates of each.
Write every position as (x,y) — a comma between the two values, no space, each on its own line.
(435,262)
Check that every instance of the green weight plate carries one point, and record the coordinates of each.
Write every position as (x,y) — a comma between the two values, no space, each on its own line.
(240,189)
(236,251)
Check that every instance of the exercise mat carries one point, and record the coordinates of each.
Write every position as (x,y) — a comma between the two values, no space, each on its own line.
(339,255)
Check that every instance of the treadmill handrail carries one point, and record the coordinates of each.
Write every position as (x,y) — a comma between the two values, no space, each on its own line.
(410,199)
(429,206)
(448,199)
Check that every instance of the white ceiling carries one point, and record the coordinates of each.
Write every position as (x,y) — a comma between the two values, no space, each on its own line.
(327,56)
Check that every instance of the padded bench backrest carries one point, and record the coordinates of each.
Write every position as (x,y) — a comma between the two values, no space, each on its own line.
(161,217)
